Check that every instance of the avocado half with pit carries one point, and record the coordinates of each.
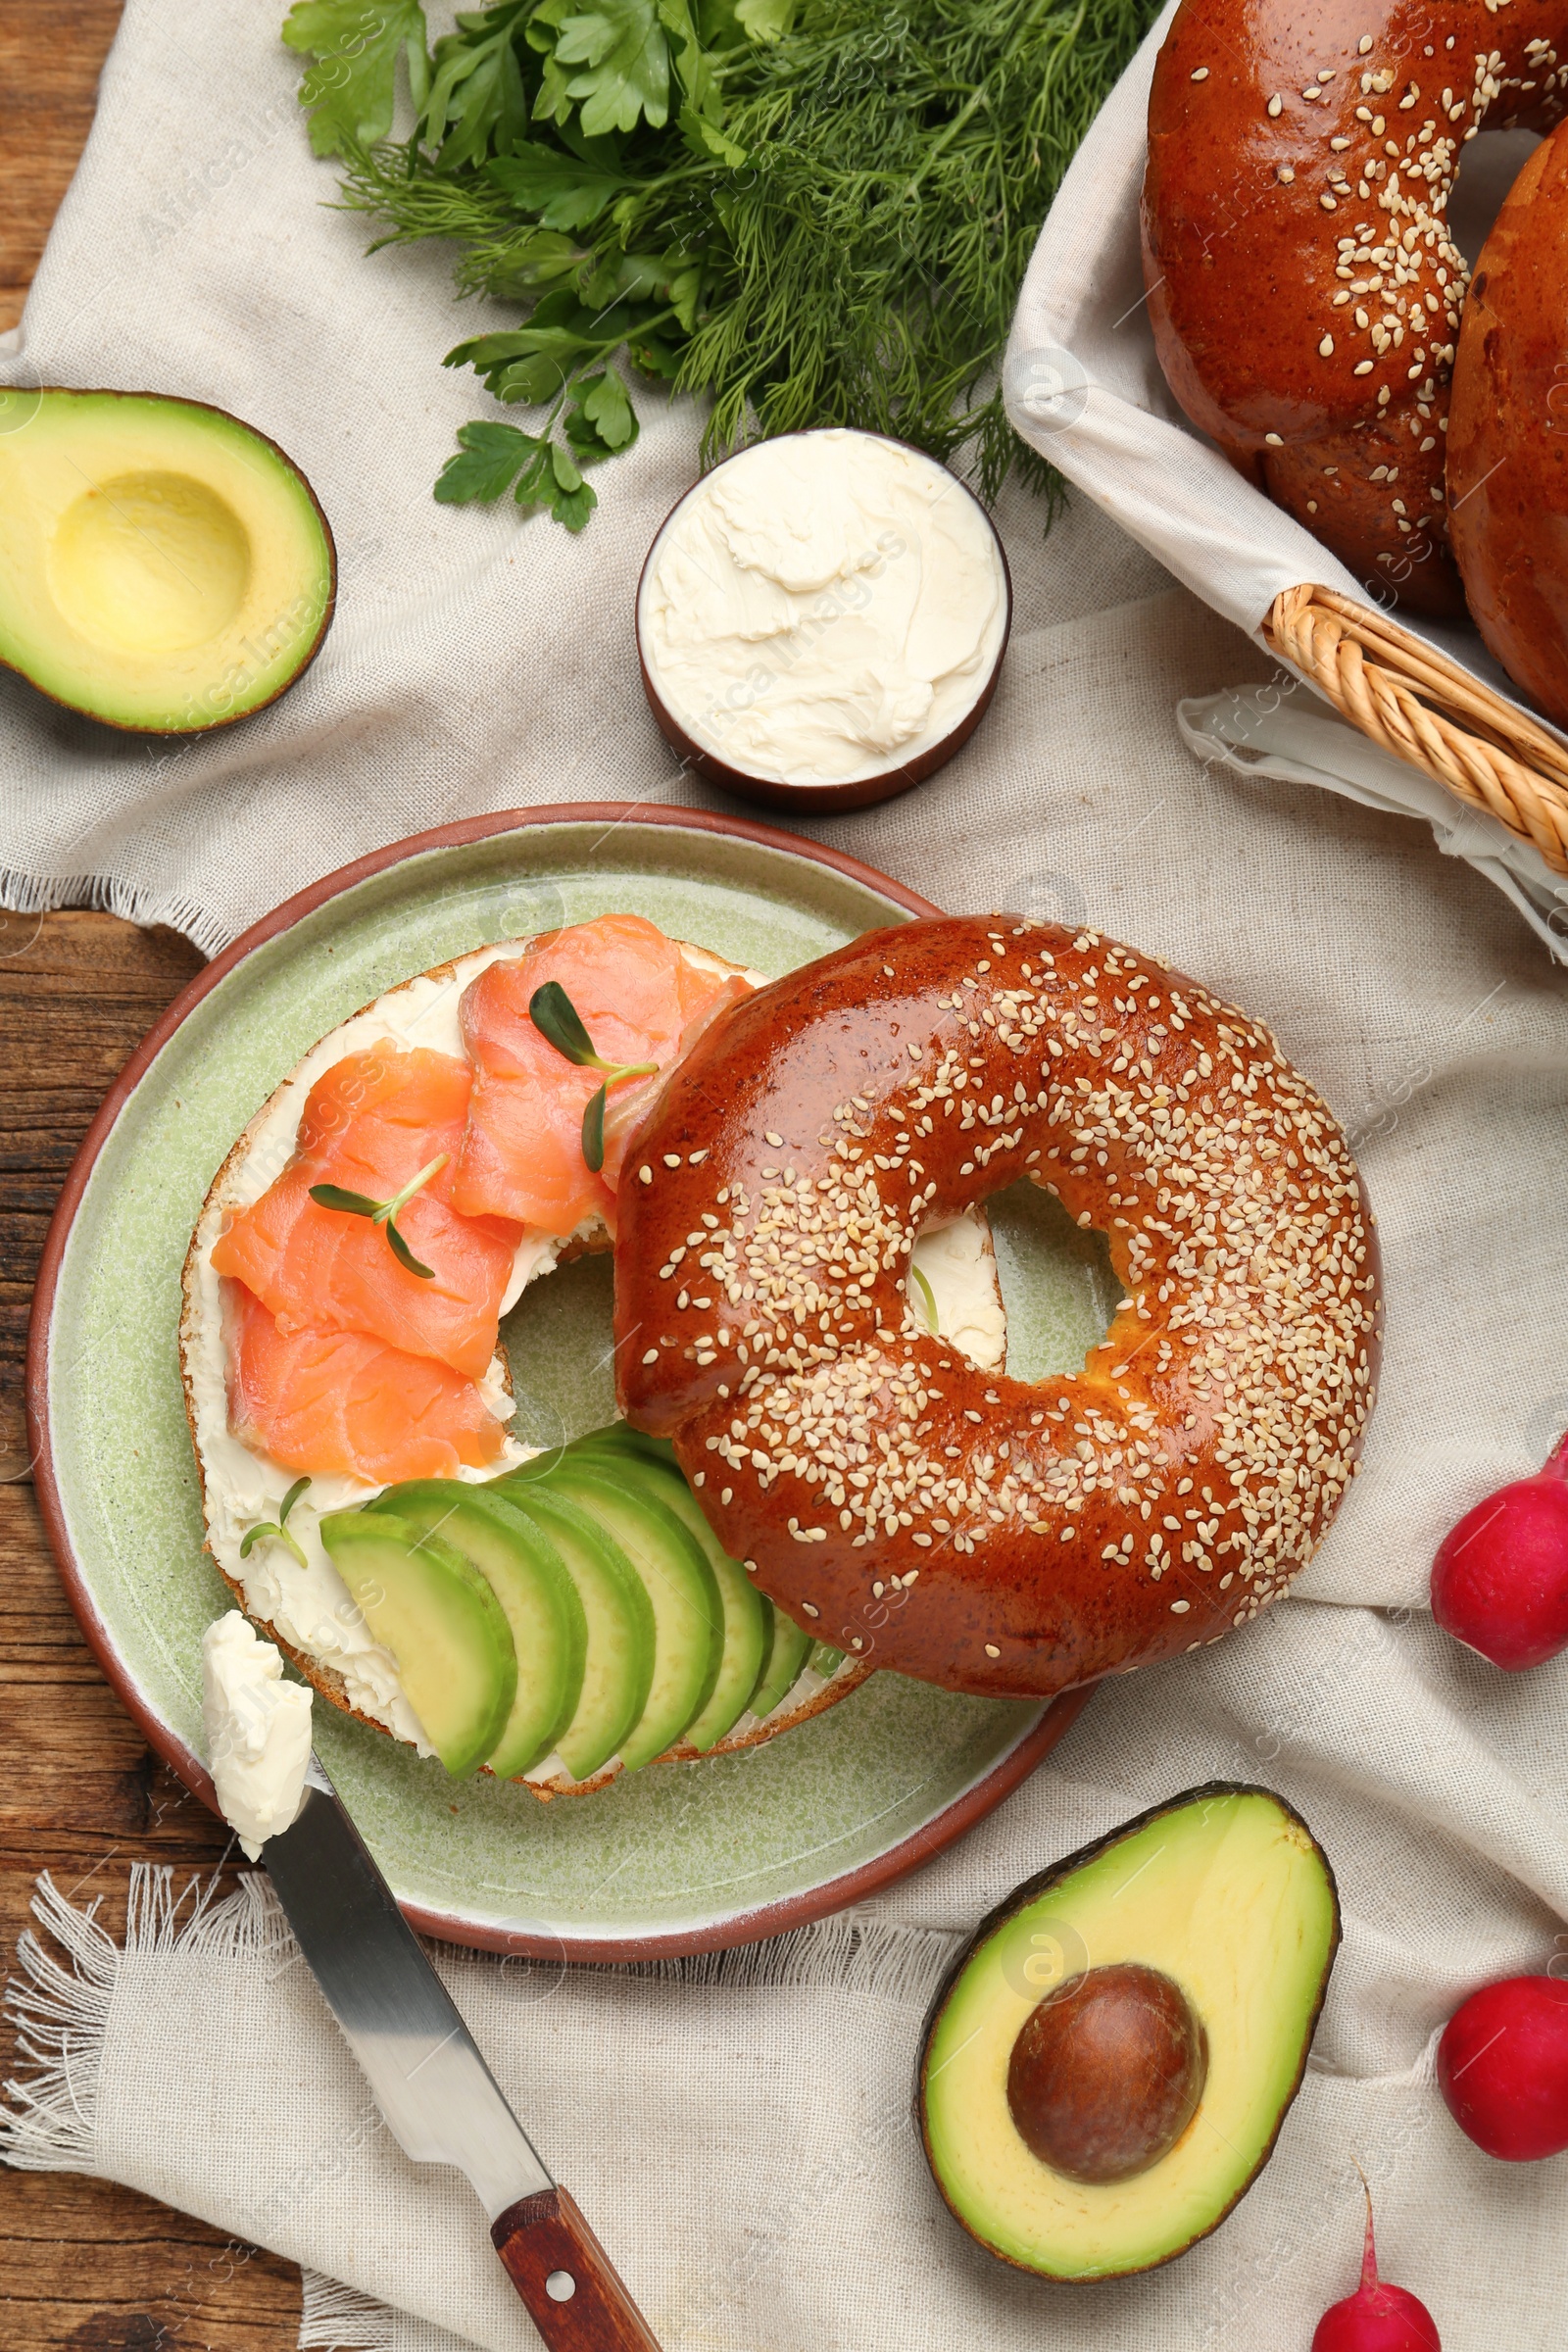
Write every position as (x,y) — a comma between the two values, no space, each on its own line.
(1107,2065)
(164,567)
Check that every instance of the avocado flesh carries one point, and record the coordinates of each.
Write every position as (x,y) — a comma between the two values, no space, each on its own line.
(746,1628)
(1225,1891)
(787,1650)
(528,1576)
(688,1614)
(619,1664)
(163,566)
(428,1604)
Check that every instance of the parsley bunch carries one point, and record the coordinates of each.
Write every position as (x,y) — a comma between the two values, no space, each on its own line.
(813,212)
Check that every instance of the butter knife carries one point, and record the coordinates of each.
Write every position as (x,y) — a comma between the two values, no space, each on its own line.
(441,2102)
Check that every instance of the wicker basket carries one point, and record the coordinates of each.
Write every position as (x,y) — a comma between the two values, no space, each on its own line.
(1428,711)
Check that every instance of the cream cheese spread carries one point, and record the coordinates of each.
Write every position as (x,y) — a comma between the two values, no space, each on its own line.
(823,606)
(258,1731)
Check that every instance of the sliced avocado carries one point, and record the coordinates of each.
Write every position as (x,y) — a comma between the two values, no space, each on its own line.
(688,1614)
(788,1649)
(630,1440)
(529,1579)
(824,1659)
(746,1626)
(1106,2067)
(619,1664)
(436,1614)
(163,566)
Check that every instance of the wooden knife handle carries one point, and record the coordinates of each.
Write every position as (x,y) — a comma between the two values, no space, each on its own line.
(569,2282)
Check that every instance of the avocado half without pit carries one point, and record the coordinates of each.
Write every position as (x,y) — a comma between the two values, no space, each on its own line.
(1107,2065)
(164,567)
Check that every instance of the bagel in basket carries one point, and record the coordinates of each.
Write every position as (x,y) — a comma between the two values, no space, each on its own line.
(1508,433)
(924,1510)
(1304,289)
(291,1345)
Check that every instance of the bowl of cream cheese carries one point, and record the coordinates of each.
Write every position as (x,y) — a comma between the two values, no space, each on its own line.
(821,620)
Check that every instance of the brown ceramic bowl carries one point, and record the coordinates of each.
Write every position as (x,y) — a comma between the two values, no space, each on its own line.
(803,798)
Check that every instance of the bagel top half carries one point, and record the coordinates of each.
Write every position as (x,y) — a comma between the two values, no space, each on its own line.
(945,1519)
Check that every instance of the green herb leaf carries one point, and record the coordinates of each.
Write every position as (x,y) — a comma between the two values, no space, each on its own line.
(573,507)
(654,356)
(536,486)
(707,142)
(290,1500)
(351,1204)
(384,1213)
(608,408)
(487,464)
(766,19)
(566,475)
(351,89)
(601,419)
(477,99)
(593,1130)
(558,1021)
(277,1528)
(622,60)
(561,189)
(404,1255)
(927,1298)
(693,67)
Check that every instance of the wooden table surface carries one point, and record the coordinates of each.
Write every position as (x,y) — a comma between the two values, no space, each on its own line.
(83,2265)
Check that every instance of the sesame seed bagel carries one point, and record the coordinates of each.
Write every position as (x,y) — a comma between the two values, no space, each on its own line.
(968,1528)
(1506,446)
(1304,289)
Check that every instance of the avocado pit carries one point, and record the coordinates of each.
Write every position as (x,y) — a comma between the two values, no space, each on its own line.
(1107,2073)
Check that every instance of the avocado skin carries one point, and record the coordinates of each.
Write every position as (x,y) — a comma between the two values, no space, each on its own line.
(1028,1891)
(208,726)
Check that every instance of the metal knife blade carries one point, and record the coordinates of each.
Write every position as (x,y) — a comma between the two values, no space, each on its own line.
(440,2099)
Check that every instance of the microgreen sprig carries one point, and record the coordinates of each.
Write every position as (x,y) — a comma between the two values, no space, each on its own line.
(384,1213)
(559,1022)
(277,1527)
(927,1308)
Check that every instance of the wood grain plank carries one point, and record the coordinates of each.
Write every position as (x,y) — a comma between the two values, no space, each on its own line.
(51,52)
(87,2265)
(77,992)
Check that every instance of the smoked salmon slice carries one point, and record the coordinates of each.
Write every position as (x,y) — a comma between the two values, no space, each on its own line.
(369,1124)
(638,998)
(342,1402)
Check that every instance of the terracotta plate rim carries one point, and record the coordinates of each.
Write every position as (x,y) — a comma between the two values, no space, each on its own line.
(798,1910)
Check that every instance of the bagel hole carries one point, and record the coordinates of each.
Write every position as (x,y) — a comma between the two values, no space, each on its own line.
(1058,1286)
(1487,168)
(560,1342)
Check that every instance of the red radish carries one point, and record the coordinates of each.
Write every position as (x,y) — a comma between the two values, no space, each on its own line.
(1502,2067)
(1377,2317)
(1499,1582)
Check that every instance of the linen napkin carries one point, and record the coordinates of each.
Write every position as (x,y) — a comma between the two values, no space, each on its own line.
(738,2130)
(712,2119)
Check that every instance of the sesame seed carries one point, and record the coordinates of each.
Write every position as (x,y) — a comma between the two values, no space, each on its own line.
(1200,73)
(1275,103)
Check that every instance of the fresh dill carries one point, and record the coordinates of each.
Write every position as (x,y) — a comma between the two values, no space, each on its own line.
(811,212)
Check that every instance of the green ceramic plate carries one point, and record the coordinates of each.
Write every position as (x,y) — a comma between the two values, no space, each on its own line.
(678,1857)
